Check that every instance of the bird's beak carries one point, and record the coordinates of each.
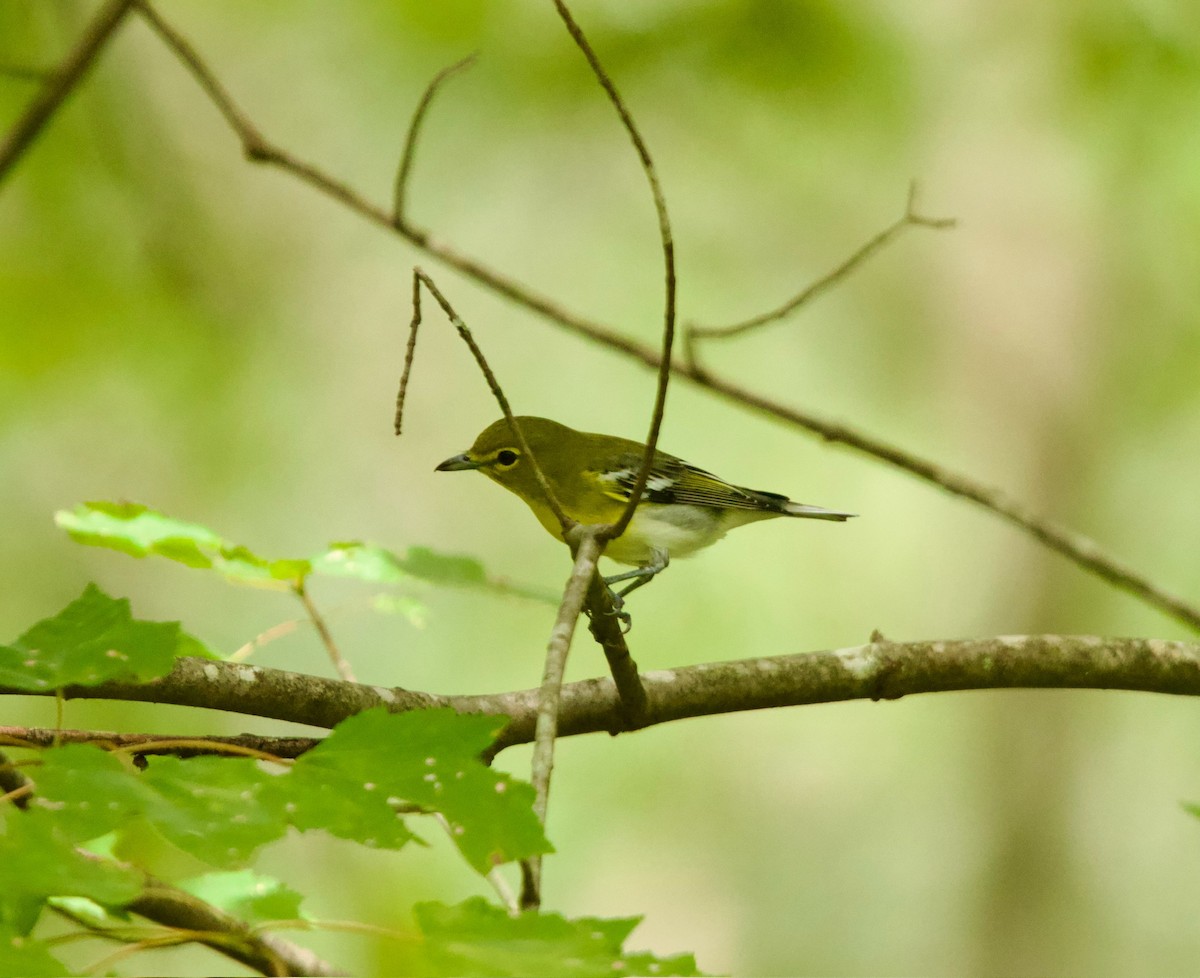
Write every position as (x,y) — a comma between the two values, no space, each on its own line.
(458,463)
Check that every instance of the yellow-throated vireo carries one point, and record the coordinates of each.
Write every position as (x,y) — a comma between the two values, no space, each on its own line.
(683,509)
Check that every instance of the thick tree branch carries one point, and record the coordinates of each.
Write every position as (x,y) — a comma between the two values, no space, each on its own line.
(877,670)
(1075,547)
(238,687)
(60,83)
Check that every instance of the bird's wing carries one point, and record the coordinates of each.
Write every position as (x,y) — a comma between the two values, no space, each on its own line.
(672,480)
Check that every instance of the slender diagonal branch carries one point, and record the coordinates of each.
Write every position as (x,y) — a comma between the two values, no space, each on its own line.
(1084,552)
(668,250)
(60,83)
(335,655)
(587,551)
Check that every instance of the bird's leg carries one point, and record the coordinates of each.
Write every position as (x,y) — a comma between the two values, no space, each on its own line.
(656,564)
(638,576)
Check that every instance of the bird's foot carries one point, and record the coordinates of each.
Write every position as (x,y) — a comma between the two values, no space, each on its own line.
(618,609)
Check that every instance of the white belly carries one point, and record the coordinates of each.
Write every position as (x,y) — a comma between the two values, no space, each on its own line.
(679,530)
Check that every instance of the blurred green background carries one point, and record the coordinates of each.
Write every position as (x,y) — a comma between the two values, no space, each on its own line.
(181,328)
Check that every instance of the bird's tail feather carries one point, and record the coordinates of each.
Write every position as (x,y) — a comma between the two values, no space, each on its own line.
(815,512)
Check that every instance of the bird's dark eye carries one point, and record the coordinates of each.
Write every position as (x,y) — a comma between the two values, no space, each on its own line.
(507,458)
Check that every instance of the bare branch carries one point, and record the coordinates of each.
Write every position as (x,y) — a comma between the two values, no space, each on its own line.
(604,624)
(606,630)
(414,131)
(146,743)
(877,670)
(14,786)
(668,249)
(1077,548)
(910,218)
(60,83)
(587,551)
(254,145)
(236,939)
(239,687)
(270,635)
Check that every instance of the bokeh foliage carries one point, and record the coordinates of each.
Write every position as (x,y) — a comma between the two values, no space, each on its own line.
(181,328)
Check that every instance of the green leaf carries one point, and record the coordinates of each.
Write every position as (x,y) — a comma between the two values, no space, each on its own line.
(38,860)
(92,640)
(444,568)
(404,605)
(215,808)
(428,758)
(23,957)
(89,912)
(377,565)
(219,809)
(476,938)
(89,791)
(362,562)
(350,810)
(140,531)
(247,895)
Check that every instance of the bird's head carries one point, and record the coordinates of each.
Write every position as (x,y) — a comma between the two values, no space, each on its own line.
(497,453)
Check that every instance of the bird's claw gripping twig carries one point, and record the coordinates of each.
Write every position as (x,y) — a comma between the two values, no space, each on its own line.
(618,610)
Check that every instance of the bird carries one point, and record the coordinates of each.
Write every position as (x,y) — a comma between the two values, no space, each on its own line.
(682,509)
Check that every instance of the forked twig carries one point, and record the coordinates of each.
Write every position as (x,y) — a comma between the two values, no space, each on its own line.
(421,279)
(910,218)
